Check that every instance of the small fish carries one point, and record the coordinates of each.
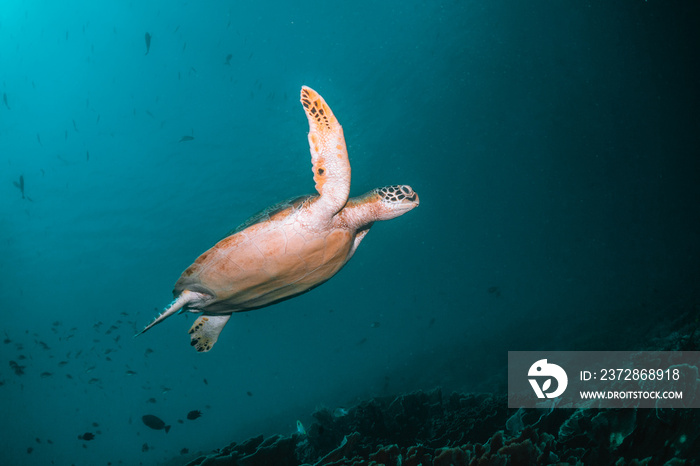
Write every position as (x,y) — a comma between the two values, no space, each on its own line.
(95,424)
(205,382)
(4,99)
(300,428)
(75,126)
(19,370)
(87,436)
(186,138)
(148,43)
(192,415)
(184,451)
(340,412)
(249,393)
(30,450)
(228,59)
(144,447)
(151,400)
(38,138)
(155,423)
(130,372)
(45,375)
(93,380)
(87,153)
(20,185)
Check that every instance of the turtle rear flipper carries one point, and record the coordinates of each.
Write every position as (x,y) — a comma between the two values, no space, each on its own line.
(185,298)
(205,331)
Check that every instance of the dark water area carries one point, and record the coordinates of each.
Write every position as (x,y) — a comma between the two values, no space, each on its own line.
(555,147)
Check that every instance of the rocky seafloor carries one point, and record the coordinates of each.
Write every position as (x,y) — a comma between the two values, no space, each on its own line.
(432,428)
(429,428)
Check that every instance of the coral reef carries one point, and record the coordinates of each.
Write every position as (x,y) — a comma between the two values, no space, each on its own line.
(424,428)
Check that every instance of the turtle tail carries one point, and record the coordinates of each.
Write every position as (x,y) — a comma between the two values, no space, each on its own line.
(180,302)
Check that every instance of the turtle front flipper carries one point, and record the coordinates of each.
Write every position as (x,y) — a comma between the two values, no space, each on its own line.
(329,156)
(185,298)
(205,331)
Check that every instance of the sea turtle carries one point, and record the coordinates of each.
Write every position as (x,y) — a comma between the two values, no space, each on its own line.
(288,248)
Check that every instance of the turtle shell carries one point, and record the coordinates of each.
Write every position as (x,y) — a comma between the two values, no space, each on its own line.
(270,257)
(264,215)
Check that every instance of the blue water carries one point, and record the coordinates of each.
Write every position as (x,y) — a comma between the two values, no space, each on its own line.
(554,146)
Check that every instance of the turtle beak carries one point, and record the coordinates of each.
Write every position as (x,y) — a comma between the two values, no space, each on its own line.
(409,203)
(411,198)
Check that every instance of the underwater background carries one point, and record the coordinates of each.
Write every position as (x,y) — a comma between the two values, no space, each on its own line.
(555,147)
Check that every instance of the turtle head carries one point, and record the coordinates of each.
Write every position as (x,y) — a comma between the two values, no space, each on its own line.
(392,201)
(379,204)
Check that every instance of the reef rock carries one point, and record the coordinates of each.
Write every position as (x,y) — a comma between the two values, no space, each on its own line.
(425,428)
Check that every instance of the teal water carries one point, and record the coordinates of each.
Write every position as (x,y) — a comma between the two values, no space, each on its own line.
(554,146)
